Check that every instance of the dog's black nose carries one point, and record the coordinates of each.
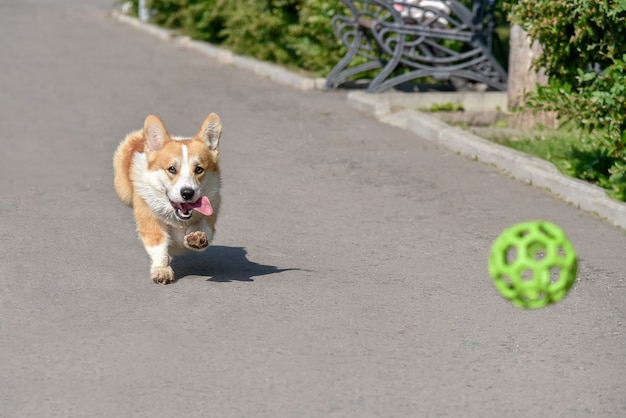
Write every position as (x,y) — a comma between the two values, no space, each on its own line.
(187,193)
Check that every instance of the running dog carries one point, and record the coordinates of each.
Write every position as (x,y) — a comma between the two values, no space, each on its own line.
(173,185)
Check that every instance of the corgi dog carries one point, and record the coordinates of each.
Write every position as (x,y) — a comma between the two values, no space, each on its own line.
(173,186)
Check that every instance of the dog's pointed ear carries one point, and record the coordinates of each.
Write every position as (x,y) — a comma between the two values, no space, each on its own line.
(154,133)
(211,131)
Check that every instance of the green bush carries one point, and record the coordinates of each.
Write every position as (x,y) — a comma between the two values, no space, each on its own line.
(293,33)
(256,28)
(200,19)
(312,37)
(584,43)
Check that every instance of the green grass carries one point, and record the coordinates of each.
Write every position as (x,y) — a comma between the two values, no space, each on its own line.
(572,154)
(443,107)
(554,146)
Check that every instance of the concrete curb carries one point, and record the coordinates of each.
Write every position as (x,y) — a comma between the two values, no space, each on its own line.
(153,30)
(526,168)
(273,72)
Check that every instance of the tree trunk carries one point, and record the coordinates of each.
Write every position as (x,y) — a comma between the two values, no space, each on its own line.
(523,79)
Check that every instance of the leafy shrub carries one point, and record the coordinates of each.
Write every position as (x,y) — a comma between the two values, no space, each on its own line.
(584,43)
(312,37)
(294,33)
(256,28)
(200,19)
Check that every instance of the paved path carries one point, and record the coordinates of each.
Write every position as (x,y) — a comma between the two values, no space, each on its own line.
(348,277)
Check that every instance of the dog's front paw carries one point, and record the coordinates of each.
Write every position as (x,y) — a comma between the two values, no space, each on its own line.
(196,240)
(162,275)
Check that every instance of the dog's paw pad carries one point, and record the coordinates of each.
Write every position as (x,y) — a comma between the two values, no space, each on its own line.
(196,240)
(163,275)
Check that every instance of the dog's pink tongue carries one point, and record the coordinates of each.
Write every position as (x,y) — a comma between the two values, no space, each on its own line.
(203,205)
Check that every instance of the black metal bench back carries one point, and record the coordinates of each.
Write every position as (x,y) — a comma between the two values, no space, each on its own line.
(416,35)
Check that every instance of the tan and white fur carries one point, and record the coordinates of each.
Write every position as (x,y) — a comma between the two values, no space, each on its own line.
(173,185)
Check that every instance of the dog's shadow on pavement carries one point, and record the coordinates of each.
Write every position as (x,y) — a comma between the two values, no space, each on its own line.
(222,264)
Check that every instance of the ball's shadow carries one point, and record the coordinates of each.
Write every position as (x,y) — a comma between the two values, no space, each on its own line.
(222,264)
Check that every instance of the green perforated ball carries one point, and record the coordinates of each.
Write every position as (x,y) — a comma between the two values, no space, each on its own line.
(533,264)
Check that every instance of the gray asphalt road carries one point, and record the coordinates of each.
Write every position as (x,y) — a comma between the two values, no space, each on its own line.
(348,276)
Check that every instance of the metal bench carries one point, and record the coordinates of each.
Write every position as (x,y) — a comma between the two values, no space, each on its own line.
(410,39)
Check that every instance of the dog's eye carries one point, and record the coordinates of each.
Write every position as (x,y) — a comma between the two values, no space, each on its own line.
(172,169)
(199,170)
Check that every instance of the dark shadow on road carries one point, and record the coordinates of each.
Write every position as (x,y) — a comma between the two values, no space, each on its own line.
(222,264)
